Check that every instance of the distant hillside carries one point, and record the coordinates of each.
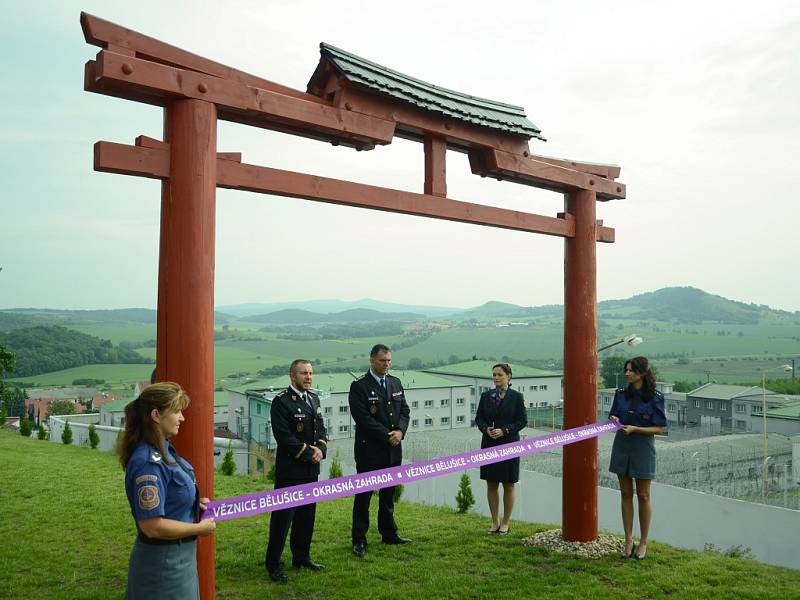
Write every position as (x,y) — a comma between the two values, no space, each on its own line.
(52,348)
(494,308)
(355,315)
(244,311)
(686,304)
(15,318)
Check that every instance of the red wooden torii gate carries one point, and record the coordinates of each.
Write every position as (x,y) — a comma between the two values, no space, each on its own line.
(355,103)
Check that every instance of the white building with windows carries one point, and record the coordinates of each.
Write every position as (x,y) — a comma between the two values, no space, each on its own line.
(540,388)
(435,402)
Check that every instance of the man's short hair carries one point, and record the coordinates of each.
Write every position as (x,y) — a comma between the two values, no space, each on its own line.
(378,348)
(296,362)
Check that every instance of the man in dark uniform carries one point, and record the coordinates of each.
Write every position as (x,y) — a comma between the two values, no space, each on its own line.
(378,407)
(299,431)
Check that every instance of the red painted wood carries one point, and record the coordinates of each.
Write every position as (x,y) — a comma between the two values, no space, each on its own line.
(579,485)
(149,162)
(435,166)
(185,334)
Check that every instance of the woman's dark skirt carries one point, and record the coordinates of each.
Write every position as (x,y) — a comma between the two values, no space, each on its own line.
(163,572)
(633,456)
(506,471)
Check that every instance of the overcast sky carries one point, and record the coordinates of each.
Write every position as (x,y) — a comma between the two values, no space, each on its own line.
(696,101)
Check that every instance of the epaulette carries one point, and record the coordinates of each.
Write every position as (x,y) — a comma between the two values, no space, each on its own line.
(658,393)
(154,456)
(360,378)
(281,393)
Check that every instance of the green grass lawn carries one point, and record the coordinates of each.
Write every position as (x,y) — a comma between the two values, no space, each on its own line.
(67,532)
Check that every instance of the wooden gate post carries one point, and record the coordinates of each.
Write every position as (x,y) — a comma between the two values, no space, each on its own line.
(185,333)
(579,486)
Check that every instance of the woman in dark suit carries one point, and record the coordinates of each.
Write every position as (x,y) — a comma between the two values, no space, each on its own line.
(639,408)
(500,417)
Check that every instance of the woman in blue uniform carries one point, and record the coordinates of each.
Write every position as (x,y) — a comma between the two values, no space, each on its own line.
(639,408)
(163,496)
(500,417)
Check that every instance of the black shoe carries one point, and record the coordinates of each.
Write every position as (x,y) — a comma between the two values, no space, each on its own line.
(396,540)
(360,549)
(278,576)
(308,564)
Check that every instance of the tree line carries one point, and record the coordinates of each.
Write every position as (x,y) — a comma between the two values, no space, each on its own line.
(49,348)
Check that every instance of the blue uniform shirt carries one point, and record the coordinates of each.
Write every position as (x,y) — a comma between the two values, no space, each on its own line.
(157,489)
(635,411)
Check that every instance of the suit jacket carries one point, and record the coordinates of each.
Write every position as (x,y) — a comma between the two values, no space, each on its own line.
(509,415)
(375,416)
(296,427)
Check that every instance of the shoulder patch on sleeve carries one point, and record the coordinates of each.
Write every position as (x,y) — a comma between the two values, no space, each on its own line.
(148,497)
(142,478)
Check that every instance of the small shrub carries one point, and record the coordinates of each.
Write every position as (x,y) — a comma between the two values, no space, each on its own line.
(464,498)
(94,439)
(228,466)
(66,435)
(2,415)
(271,473)
(336,467)
(42,433)
(25,426)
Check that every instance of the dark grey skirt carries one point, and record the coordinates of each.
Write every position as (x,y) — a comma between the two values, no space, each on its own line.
(633,455)
(163,572)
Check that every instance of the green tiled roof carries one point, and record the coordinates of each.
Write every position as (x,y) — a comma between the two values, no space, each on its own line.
(483,369)
(788,411)
(722,391)
(116,405)
(463,107)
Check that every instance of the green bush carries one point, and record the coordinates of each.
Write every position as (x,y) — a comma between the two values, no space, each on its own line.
(2,415)
(336,467)
(228,466)
(24,426)
(42,433)
(94,439)
(464,498)
(66,435)
(271,473)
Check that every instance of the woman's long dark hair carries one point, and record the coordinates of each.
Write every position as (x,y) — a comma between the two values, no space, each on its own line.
(166,397)
(641,366)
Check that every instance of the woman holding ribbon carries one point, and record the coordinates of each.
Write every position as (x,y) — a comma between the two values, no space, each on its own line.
(163,496)
(639,408)
(500,417)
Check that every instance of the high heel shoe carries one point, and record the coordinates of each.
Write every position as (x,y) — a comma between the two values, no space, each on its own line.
(641,556)
(501,532)
(494,530)
(630,554)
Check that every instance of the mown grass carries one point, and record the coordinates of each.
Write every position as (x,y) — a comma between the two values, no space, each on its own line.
(67,533)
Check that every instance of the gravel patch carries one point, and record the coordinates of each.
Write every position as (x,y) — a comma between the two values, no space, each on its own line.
(553,540)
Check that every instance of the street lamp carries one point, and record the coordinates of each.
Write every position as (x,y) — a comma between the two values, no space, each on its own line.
(631,340)
(784,368)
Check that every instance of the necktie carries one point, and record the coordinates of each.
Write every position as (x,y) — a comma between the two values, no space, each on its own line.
(308,401)
(383,386)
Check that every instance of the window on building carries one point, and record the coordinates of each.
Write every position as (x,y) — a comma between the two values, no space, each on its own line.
(428,421)
(534,388)
(472,406)
(697,403)
(542,388)
(723,406)
(670,408)
(445,420)
(328,410)
(414,422)
(444,402)
(471,391)
(415,404)
(344,409)
(606,401)
(343,428)
(460,419)
(741,425)
(428,403)
(710,404)
(741,408)
(460,401)
(258,408)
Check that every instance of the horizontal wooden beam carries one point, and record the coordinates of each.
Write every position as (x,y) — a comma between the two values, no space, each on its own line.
(526,169)
(138,79)
(607,171)
(122,40)
(154,163)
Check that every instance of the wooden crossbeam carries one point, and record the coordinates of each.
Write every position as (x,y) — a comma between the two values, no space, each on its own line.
(127,76)
(154,163)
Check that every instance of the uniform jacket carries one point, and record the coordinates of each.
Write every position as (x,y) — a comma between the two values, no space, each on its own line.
(375,416)
(635,411)
(157,489)
(296,427)
(510,415)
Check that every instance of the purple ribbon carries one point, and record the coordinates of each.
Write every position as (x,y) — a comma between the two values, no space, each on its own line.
(330,489)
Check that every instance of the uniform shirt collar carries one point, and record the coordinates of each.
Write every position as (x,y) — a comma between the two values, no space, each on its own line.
(296,391)
(377,377)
